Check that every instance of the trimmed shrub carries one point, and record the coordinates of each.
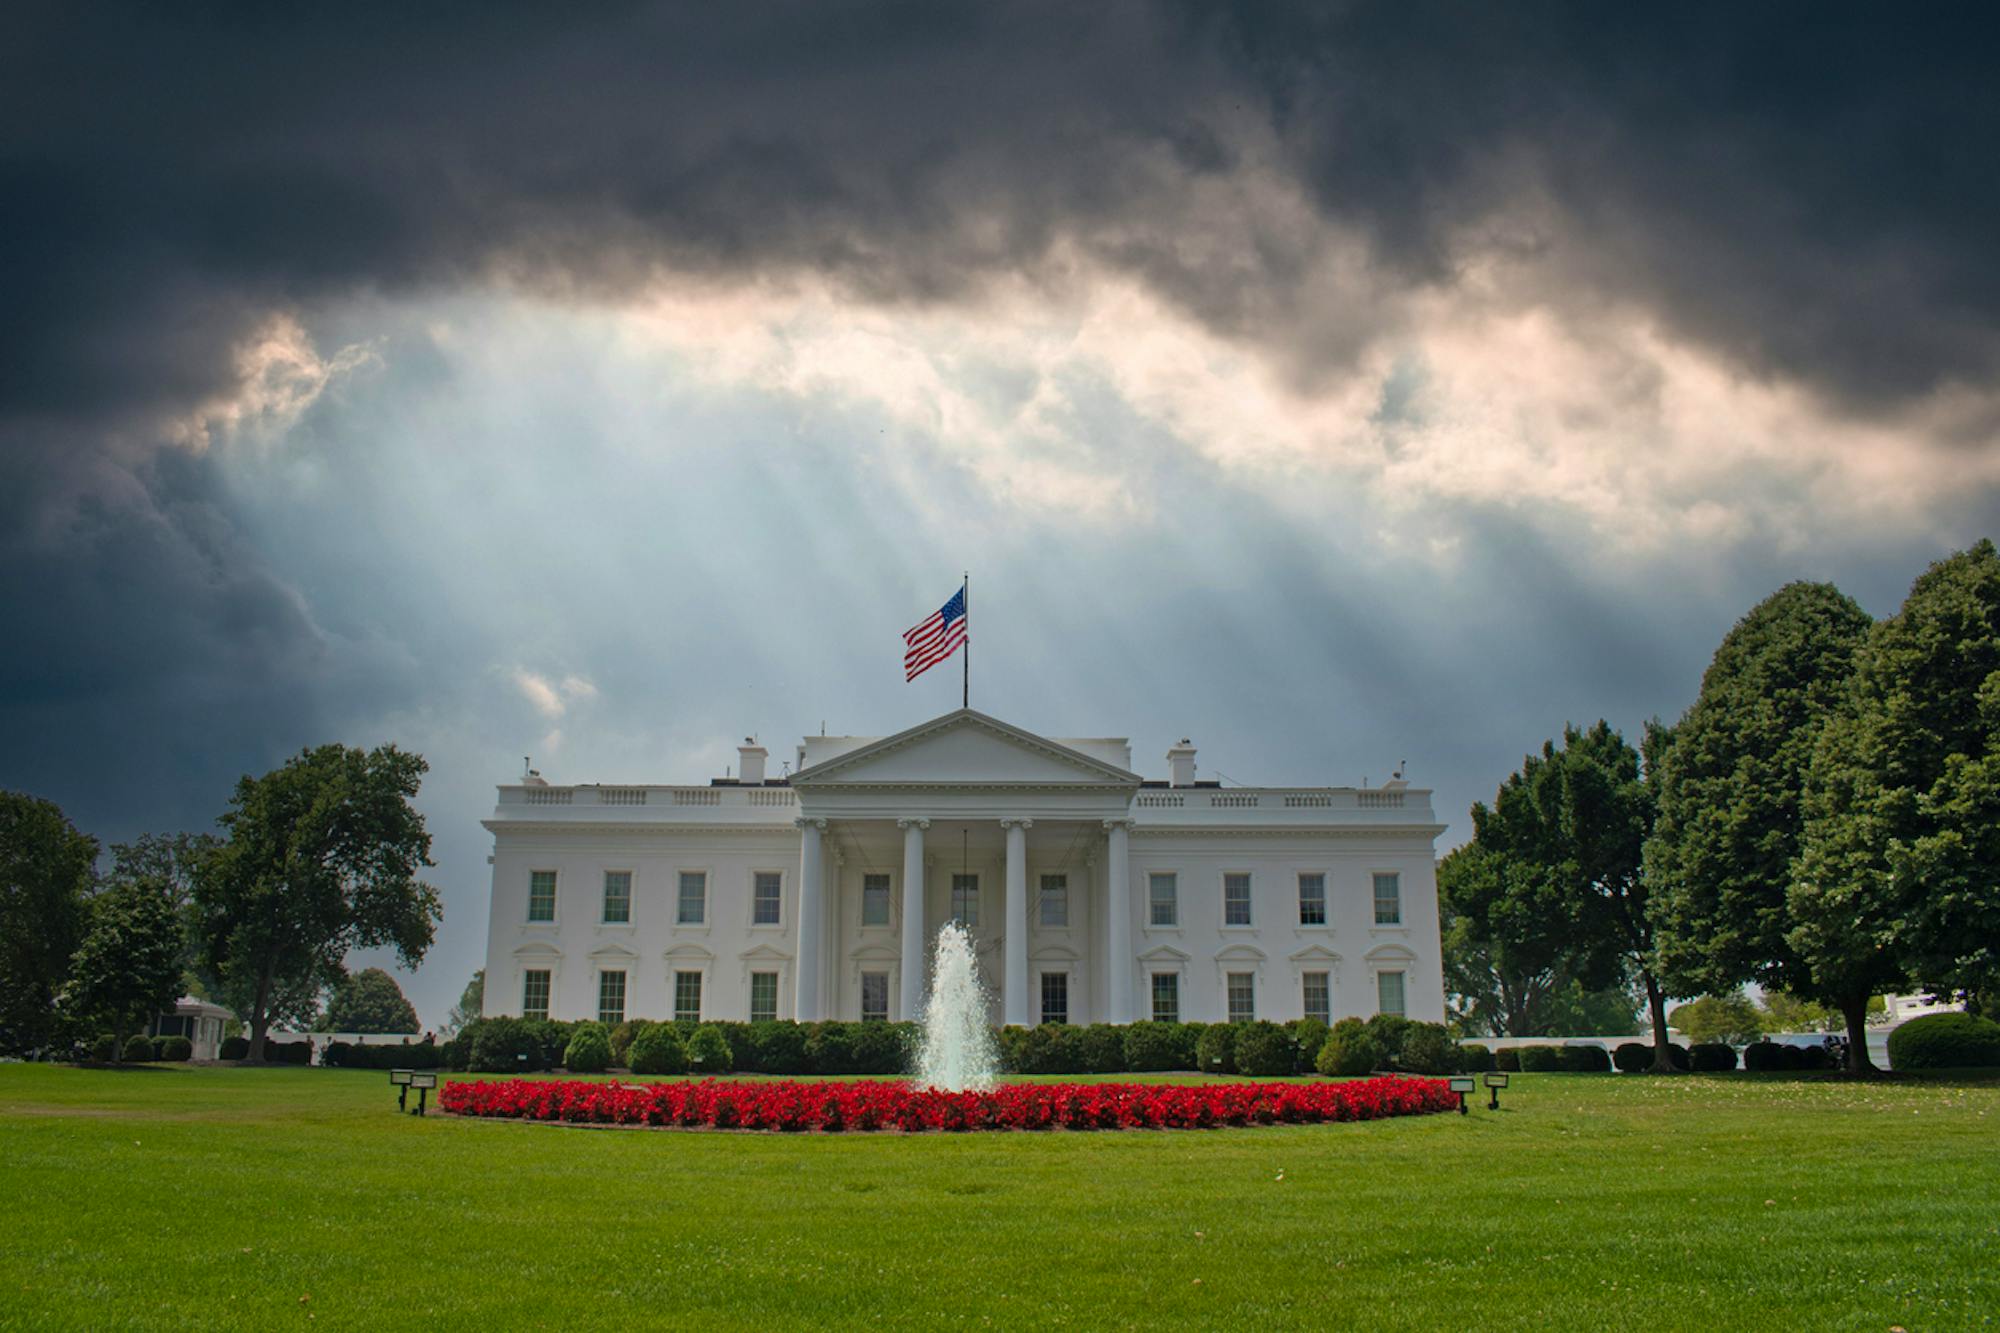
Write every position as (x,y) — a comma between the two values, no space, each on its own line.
(708,1051)
(1151,1047)
(455,1052)
(1712,1057)
(1349,1050)
(1632,1057)
(388,1055)
(774,1046)
(1308,1035)
(1428,1048)
(1474,1058)
(1586,1058)
(736,1036)
(1102,1049)
(1265,1050)
(1791,1058)
(288,1052)
(104,1048)
(552,1037)
(1762,1057)
(1507,1059)
(138,1050)
(1541,1059)
(620,1038)
(657,1050)
(1817,1057)
(234,1048)
(1677,1056)
(881,1048)
(1215,1049)
(1389,1032)
(1946,1041)
(829,1048)
(589,1050)
(504,1046)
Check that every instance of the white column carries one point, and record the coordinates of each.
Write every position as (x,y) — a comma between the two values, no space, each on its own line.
(1118,925)
(914,934)
(1014,985)
(805,971)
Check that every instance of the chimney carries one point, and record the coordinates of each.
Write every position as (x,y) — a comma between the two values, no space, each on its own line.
(750,771)
(1180,763)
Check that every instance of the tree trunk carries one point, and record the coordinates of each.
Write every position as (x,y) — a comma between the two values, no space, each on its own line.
(1656,1005)
(260,1019)
(1855,1008)
(117,1043)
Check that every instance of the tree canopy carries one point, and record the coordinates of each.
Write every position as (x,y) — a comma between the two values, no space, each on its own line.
(1731,1018)
(321,856)
(471,1004)
(1731,792)
(45,875)
(369,1001)
(1895,879)
(128,967)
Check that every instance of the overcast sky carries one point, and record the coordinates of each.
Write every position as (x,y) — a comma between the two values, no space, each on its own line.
(1394,384)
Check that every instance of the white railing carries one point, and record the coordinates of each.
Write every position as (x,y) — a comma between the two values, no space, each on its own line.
(621,795)
(545,795)
(1379,800)
(1161,800)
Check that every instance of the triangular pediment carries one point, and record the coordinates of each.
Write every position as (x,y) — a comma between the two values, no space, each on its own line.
(964,747)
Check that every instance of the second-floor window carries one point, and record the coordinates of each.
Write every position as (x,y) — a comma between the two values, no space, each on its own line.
(1388,898)
(1312,899)
(1055,900)
(874,900)
(766,898)
(541,895)
(693,908)
(617,897)
(1236,900)
(965,899)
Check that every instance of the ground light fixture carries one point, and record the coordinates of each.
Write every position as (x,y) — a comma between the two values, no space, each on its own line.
(1463,1084)
(404,1079)
(1495,1082)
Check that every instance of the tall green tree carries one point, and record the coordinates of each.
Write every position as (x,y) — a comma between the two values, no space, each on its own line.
(1732,800)
(1730,1018)
(1502,963)
(172,863)
(128,967)
(1895,881)
(1573,822)
(471,1005)
(369,1001)
(320,857)
(45,877)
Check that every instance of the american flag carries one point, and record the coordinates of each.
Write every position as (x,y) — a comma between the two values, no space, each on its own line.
(936,639)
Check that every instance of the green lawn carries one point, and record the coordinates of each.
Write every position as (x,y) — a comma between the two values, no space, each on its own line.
(204,1198)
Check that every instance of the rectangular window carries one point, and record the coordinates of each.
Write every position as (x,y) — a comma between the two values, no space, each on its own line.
(763,997)
(1235,900)
(874,900)
(535,994)
(766,897)
(1312,900)
(611,997)
(965,899)
(1389,992)
(687,997)
(1242,997)
(1163,900)
(617,897)
(694,898)
(1055,900)
(542,895)
(1319,1003)
(1166,997)
(1055,997)
(874,997)
(1389,899)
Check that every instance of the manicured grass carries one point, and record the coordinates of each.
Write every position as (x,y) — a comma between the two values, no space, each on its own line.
(205,1198)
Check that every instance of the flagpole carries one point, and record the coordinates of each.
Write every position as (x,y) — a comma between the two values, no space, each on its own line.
(965,592)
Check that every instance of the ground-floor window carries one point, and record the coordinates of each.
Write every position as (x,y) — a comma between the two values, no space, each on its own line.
(874,997)
(1242,997)
(1389,992)
(1318,1001)
(1166,997)
(611,998)
(535,993)
(687,997)
(1055,997)
(763,997)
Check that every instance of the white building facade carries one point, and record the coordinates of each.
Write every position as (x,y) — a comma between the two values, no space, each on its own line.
(1091,894)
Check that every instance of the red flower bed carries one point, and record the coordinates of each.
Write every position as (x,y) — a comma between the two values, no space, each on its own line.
(877,1104)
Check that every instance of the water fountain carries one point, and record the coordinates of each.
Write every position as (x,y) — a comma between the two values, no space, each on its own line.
(956,1052)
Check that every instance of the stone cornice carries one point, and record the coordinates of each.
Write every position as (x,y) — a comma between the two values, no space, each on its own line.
(1285,831)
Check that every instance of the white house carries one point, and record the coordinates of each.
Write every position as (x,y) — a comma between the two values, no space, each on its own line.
(1093,895)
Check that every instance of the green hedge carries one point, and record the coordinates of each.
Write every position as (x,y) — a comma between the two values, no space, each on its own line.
(657,1050)
(385,1055)
(1541,1059)
(589,1049)
(708,1051)
(1215,1049)
(1350,1050)
(1712,1057)
(234,1048)
(1946,1041)
(175,1048)
(138,1050)
(1475,1059)
(1763,1056)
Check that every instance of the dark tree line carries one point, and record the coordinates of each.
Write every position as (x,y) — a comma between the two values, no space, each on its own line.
(1823,821)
